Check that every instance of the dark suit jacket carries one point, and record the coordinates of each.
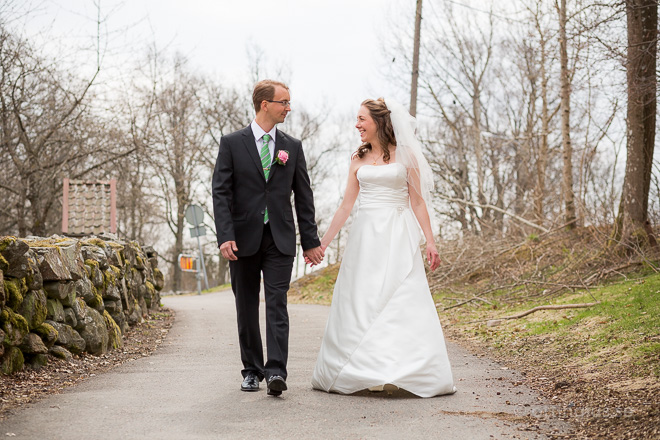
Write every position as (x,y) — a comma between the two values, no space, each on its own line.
(241,193)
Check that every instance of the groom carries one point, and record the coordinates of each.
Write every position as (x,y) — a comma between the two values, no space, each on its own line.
(256,171)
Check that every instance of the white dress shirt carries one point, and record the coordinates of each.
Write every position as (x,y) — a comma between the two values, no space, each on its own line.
(258,138)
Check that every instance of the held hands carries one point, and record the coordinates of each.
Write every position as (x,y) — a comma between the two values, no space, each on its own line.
(314,256)
(227,250)
(432,256)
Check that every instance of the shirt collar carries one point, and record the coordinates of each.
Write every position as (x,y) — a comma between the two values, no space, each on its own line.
(259,132)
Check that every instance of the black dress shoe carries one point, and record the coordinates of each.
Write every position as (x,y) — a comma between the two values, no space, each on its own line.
(250,383)
(276,385)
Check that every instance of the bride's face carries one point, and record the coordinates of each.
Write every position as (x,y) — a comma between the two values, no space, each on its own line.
(366,125)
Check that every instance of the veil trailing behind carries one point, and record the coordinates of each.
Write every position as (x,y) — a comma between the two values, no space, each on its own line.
(409,150)
(383,327)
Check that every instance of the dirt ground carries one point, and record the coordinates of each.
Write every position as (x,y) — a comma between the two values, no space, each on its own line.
(29,385)
(602,401)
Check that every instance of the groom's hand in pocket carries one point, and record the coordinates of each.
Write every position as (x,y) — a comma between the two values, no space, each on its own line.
(227,250)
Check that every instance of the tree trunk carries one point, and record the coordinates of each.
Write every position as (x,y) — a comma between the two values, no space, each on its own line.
(567,148)
(415,66)
(641,66)
(542,159)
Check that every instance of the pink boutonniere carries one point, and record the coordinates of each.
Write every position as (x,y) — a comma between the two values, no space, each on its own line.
(282,157)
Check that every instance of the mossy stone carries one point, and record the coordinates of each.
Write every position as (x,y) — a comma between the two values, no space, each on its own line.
(14,326)
(60,352)
(37,361)
(47,333)
(33,308)
(55,310)
(16,289)
(114,332)
(12,361)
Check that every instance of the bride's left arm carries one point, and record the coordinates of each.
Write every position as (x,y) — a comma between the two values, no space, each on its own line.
(421,212)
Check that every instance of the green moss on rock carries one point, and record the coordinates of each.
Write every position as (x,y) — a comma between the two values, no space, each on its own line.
(47,333)
(114,332)
(33,308)
(15,290)
(12,361)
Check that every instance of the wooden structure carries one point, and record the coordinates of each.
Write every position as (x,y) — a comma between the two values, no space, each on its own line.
(89,208)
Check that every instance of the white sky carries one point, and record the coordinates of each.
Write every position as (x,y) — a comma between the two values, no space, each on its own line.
(330,50)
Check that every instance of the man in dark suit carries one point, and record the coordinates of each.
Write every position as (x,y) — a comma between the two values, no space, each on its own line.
(256,171)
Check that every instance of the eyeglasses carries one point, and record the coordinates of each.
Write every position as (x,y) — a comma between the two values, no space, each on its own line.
(284,103)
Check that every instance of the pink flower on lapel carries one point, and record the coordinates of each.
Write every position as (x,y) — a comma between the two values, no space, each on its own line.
(282,157)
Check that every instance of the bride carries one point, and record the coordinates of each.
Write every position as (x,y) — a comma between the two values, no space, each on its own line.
(383,329)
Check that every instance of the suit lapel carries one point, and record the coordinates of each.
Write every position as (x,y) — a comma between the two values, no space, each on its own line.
(251,147)
(280,144)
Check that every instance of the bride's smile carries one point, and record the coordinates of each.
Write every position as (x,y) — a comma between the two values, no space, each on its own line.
(366,126)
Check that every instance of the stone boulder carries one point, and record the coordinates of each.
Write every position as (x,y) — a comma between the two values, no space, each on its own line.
(159,279)
(13,261)
(85,290)
(15,289)
(32,344)
(60,290)
(70,318)
(47,333)
(3,297)
(71,257)
(79,309)
(14,326)
(33,278)
(114,332)
(95,273)
(52,265)
(36,361)
(94,253)
(33,308)
(55,310)
(60,352)
(68,337)
(12,361)
(95,333)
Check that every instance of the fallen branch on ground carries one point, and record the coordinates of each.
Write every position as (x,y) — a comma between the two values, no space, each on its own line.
(476,298)
(494,322)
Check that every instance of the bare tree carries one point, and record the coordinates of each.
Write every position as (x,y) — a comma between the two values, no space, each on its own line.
(50,130)
(642,18)
(415,63)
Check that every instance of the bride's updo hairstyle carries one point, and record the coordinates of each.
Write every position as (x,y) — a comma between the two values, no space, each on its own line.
(381,116)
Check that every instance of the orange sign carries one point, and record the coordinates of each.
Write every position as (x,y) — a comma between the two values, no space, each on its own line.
(188,263)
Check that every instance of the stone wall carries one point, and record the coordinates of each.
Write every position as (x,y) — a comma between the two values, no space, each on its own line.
(61,295)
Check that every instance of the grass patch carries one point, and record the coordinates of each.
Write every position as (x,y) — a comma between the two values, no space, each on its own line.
(315,288)
(623,330)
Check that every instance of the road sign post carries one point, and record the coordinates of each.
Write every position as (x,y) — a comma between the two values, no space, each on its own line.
(195,217)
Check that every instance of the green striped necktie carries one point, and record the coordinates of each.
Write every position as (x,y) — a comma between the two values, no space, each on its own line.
(265,163)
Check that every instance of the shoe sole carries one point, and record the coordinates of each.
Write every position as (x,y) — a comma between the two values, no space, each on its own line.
(276,387)
(249,389)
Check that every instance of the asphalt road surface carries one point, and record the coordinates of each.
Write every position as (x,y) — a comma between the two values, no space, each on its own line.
(190,389)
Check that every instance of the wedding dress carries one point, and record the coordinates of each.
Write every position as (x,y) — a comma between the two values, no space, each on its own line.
(383,326)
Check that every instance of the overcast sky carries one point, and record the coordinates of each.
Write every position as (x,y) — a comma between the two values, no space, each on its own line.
(330,50)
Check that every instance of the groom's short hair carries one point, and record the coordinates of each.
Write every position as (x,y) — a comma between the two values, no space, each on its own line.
(264,91)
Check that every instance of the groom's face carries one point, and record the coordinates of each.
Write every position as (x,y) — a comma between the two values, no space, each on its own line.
(276,110)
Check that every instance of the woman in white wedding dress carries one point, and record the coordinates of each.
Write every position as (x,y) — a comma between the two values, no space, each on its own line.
(383,328)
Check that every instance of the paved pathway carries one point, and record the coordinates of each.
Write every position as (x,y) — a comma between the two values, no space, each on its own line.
(189,389)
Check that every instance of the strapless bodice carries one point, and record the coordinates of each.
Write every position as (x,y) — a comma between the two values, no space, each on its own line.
(383,185)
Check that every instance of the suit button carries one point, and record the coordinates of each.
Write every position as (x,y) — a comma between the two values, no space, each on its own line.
(263,211)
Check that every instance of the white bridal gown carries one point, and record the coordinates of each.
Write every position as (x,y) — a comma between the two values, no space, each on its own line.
(383,326)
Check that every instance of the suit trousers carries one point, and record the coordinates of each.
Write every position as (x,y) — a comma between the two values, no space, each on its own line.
(245,281)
